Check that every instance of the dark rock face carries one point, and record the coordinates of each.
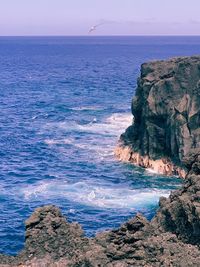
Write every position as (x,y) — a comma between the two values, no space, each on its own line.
(166,110)
(180,213)
(48,232)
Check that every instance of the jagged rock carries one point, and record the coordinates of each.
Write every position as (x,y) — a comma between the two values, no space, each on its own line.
(192,161)
(180,213)
(166,115)
(48,231)
(52,241)
(140,243)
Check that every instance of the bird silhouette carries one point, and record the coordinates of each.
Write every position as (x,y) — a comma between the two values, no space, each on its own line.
(93,28)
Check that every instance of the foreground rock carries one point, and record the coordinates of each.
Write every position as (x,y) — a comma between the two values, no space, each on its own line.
(52,241)
(180,213)
(166,110)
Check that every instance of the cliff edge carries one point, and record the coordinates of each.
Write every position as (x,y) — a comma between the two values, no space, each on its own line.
(166,110)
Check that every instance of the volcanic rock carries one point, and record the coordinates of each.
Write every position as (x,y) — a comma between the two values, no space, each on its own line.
(166,110)
(52,241)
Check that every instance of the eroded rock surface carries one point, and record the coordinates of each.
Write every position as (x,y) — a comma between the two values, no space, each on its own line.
(180,213)
(170,239)
(52,241)
(166,110)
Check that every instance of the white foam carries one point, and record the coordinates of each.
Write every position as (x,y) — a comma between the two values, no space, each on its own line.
(72,211)
(51,142)
(99,148)
(94,150)
(112,125)
(151,171)
(102,196)
(85,108)
(120,120)
(59,141)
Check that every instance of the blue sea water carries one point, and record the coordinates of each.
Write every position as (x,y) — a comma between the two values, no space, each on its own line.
(64,101)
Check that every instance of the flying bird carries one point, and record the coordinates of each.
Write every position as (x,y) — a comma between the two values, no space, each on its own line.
(93,28)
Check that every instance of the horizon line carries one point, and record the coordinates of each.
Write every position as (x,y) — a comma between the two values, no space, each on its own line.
(107,35)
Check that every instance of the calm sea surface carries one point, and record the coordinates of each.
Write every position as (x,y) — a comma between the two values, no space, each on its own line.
(64,101)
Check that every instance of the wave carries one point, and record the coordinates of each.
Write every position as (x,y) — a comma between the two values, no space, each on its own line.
(59,141)
(113,125)
(151,171)
(86,108)
(100,196)
(99,147)
(121,120)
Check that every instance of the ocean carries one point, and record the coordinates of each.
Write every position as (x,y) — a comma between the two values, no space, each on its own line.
(64,101)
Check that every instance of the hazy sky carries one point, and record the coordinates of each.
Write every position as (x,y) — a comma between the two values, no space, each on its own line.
(120,17)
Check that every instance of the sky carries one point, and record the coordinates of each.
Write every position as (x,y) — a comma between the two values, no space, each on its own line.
(117,17)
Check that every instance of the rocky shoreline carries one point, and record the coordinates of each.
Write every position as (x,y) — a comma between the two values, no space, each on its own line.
(165,136)
(171,238)
(160,166)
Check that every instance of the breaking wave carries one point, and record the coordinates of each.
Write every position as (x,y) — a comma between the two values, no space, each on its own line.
(100,148)
(112,125)
(86,108)
(100,196)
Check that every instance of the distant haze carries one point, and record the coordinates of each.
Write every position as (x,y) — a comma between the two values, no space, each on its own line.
(118,17)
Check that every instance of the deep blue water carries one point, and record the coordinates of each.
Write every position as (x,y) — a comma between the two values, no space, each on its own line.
(63,104)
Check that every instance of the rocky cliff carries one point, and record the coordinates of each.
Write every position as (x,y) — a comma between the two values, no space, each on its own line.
(164,135)
(166,110)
